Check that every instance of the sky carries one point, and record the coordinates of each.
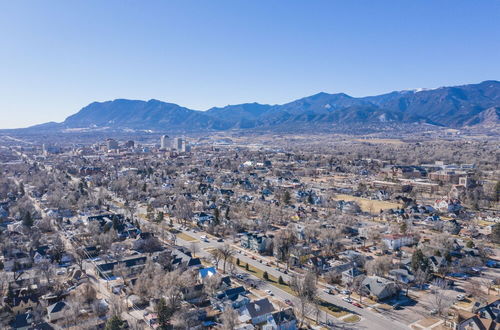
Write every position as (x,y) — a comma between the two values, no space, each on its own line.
(58,56)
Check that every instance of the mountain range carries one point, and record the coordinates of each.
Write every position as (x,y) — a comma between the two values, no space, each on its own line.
(454,107)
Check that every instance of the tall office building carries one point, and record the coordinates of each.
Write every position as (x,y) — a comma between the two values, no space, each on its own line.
(178,144)
(111,144)
(165,142)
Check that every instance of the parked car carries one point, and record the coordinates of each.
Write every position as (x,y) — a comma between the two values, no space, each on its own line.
(357,305)
(288,302)
(347,299)
(345,292)
(460,297)
(269,292)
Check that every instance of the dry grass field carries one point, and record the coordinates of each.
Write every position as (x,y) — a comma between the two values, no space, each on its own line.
(368,205)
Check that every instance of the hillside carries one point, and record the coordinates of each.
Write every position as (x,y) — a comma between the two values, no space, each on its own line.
(455,107)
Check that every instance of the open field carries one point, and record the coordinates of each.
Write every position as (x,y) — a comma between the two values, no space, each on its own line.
(368,205)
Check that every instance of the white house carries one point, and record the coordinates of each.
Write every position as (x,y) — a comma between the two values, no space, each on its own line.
(396,241)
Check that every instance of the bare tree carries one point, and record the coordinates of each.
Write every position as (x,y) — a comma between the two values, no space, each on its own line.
(379,266)
(229,318)
(47,269)
(226,252)
(473,288)
(439,302)
(217,257)
(87,293)
(194,247)
(306,290)
(212,284)
(183,210)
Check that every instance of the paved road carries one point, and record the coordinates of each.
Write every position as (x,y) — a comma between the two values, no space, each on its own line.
(369,319)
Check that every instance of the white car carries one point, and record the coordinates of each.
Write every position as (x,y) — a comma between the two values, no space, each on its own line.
(347,299)
(269,292)
(460,297)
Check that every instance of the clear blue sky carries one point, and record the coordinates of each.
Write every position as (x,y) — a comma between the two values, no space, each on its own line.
(58,56)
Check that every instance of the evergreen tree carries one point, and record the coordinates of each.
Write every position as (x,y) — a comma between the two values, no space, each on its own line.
(149,212)
(281,281)
(495,233)
(27,220)
(265,276)
(310,199)
(164,313)
(286,197)
(216,216)
(419,261)
(114,323)
(403,228)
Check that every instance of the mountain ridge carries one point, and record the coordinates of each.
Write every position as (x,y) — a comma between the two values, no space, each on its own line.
(454,106)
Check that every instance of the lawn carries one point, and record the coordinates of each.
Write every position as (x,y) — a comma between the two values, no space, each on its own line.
(364,300)
(271,279)
(187,238)
(332,309)
(351,319)
(368,205)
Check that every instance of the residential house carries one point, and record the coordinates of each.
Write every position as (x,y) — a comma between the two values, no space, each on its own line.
(21,304)
(192,293)
(203,219)
(350,275)
(56,311)
(254,241)
(379,288)
(484,318)
(282,320)
(18,261)
(234,296)
(437,263)
(134,265)
(206,272)
(41,254)
(182,258)
(256,312)
(22,321)
(401,276)
(396,241)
